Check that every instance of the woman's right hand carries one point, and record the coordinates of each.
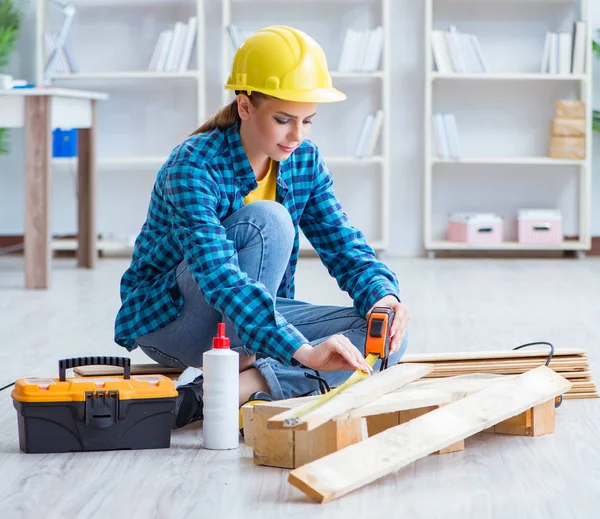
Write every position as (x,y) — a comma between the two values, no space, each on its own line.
(334,354)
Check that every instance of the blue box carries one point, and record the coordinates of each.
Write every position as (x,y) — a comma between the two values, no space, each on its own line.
(64,143)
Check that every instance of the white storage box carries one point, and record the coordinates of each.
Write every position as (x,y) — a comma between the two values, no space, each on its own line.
(540,227)
(476,228)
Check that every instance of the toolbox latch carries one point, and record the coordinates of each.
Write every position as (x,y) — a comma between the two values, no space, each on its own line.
(102,408)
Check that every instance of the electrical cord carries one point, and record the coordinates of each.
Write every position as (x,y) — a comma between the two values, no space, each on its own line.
(535,344)
(7,386)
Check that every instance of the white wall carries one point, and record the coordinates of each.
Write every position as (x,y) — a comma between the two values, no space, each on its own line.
(123,195)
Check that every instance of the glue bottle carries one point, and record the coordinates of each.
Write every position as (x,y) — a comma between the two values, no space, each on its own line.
(221,394)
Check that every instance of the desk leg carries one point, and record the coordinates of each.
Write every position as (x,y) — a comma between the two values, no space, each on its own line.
(38,145)
(86,195)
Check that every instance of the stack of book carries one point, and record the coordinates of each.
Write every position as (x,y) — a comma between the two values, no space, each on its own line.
(174,47)
(65,62)
(564,52)
(455,51)
(361,51)
(445,134)
(369,135)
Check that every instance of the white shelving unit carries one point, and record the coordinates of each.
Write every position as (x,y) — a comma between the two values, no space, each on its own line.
(436,82)
(93,38)
(342,165)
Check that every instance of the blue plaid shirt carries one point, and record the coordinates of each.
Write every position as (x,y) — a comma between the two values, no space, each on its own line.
(202,183)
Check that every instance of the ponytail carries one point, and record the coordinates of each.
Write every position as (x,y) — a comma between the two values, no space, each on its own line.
(228,115)
(225,117)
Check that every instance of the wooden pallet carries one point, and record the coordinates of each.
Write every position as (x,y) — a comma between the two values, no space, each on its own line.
(292,448)
(492,409)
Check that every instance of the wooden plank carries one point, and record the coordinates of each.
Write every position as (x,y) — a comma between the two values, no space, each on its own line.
(492,354)
(356,395)
(411,414)
(136,369)
(501,365)
(341,472)
(38,175)
(572,396)
(420,393)
(86,195)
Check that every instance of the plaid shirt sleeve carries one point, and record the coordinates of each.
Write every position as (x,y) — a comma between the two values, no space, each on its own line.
(342,247)
(192,195)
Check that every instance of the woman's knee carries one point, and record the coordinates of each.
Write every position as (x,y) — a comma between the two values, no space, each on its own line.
(276,218)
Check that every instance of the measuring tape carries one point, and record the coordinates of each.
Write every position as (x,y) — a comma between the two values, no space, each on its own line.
(357,376)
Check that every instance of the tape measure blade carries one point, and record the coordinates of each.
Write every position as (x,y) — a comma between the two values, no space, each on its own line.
(358,375)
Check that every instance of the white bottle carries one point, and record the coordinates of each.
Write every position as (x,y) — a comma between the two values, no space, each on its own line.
(221,368)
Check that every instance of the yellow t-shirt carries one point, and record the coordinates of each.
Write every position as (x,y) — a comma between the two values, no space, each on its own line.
(266,187)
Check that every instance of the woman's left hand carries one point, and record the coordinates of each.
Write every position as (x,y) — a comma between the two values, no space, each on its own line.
(400,323)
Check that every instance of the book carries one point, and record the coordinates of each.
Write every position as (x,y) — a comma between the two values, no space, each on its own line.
(579,46)
(564,52)
(374,134)
(363,137)
(188,44)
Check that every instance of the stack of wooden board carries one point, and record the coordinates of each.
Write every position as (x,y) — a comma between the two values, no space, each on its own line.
(572,364)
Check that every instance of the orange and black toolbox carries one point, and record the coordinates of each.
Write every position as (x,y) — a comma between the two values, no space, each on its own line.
(94,413)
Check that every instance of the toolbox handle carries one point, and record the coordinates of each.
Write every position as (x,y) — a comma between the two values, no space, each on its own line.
(75,362)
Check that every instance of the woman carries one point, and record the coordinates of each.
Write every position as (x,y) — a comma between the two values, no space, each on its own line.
(221,239)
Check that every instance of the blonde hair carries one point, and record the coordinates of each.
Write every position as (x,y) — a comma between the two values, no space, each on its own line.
(228,115)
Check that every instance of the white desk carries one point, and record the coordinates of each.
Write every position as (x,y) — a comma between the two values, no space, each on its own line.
(38,111)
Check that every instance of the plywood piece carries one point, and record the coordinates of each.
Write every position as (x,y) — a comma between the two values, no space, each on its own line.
(361,393)
(344,471)
(38,175)
(493,354)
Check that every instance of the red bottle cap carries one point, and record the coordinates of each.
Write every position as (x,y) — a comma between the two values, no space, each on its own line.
(221,342)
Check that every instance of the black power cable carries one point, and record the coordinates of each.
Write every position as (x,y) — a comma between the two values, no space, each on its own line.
(535,344)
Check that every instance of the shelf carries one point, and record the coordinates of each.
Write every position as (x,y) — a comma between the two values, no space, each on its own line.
(115,161)
(103,245)
(158,160)
(356,75)
(521,161)
(491,76)
(127,74)
(508,245)
(376,245)
(353,160)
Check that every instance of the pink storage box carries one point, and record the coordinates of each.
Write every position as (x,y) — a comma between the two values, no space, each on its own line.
(540,227)
(476,228)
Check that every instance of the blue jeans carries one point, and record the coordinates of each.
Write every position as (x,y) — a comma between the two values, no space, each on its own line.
(263,235)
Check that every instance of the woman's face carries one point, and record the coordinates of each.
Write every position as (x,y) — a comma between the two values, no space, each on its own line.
(278,127)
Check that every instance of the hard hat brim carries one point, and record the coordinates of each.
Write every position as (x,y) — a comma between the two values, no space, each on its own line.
(319,95)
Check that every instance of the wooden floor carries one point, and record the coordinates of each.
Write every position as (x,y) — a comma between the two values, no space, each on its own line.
(456,304)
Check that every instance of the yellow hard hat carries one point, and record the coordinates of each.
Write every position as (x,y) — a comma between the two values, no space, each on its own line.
(284,63)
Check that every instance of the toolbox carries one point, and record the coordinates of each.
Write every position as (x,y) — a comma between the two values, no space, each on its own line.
(94,413)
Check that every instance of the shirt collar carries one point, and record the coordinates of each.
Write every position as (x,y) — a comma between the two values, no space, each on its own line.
(239,159)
